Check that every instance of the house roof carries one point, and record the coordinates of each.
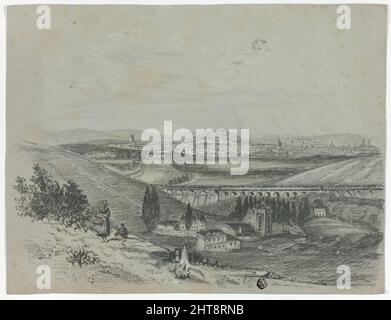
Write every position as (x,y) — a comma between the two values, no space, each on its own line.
(232,238)
(245,228)
(211,233)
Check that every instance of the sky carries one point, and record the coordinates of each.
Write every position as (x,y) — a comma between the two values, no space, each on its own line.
(273,69)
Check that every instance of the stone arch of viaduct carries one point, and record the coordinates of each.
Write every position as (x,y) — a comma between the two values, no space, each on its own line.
(204,195)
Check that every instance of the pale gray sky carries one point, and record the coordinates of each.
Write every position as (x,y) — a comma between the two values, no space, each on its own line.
(272,69)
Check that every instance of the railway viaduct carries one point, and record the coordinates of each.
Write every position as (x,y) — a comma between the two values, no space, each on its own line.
(198,195)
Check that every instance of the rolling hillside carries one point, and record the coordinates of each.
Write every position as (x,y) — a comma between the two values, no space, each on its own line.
(123,195)
(72,136)
(365,170)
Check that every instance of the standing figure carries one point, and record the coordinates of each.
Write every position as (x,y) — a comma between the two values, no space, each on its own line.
(102,221)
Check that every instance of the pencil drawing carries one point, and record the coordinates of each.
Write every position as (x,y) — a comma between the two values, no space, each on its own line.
(82,201)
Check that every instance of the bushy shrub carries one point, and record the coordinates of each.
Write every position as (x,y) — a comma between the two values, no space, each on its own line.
(81,256)
(181,271)
(46,198)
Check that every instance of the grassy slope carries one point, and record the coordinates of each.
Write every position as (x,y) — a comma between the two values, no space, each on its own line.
(122,266)
(355,171)
(123,195)
(331,229)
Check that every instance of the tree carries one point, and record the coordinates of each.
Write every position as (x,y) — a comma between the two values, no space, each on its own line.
(275,208)
(304,211)
(151,208)
(41,178)
(188,216)
(300,214)
(307,209)
(76,205)
(294,212)
(155,206)
(278,211)
(238,208)
(147,208)
(251,202)
(287,211)
(46,195)
(45,198)
(245,207)
(24,200)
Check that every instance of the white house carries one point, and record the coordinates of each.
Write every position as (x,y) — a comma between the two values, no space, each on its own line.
(182,224)
(216,240)
(240,230)
(197,224)
(319,208)
(167,227)
(319,212)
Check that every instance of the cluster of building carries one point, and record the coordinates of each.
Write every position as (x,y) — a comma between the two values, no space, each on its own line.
(178,227)
(228,236)
(256,223)
(306,147)
(216,240)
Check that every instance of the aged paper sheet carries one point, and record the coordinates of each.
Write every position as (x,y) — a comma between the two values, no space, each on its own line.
(200,149)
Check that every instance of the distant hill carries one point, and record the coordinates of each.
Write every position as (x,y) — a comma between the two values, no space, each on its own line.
(124,134)
(72,136)
(85,135)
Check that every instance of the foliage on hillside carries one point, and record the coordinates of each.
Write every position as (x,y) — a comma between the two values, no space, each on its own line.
(44,198)
(282,210)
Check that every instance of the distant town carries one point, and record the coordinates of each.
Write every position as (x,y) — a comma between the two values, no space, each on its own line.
(265,148)
(303,147)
